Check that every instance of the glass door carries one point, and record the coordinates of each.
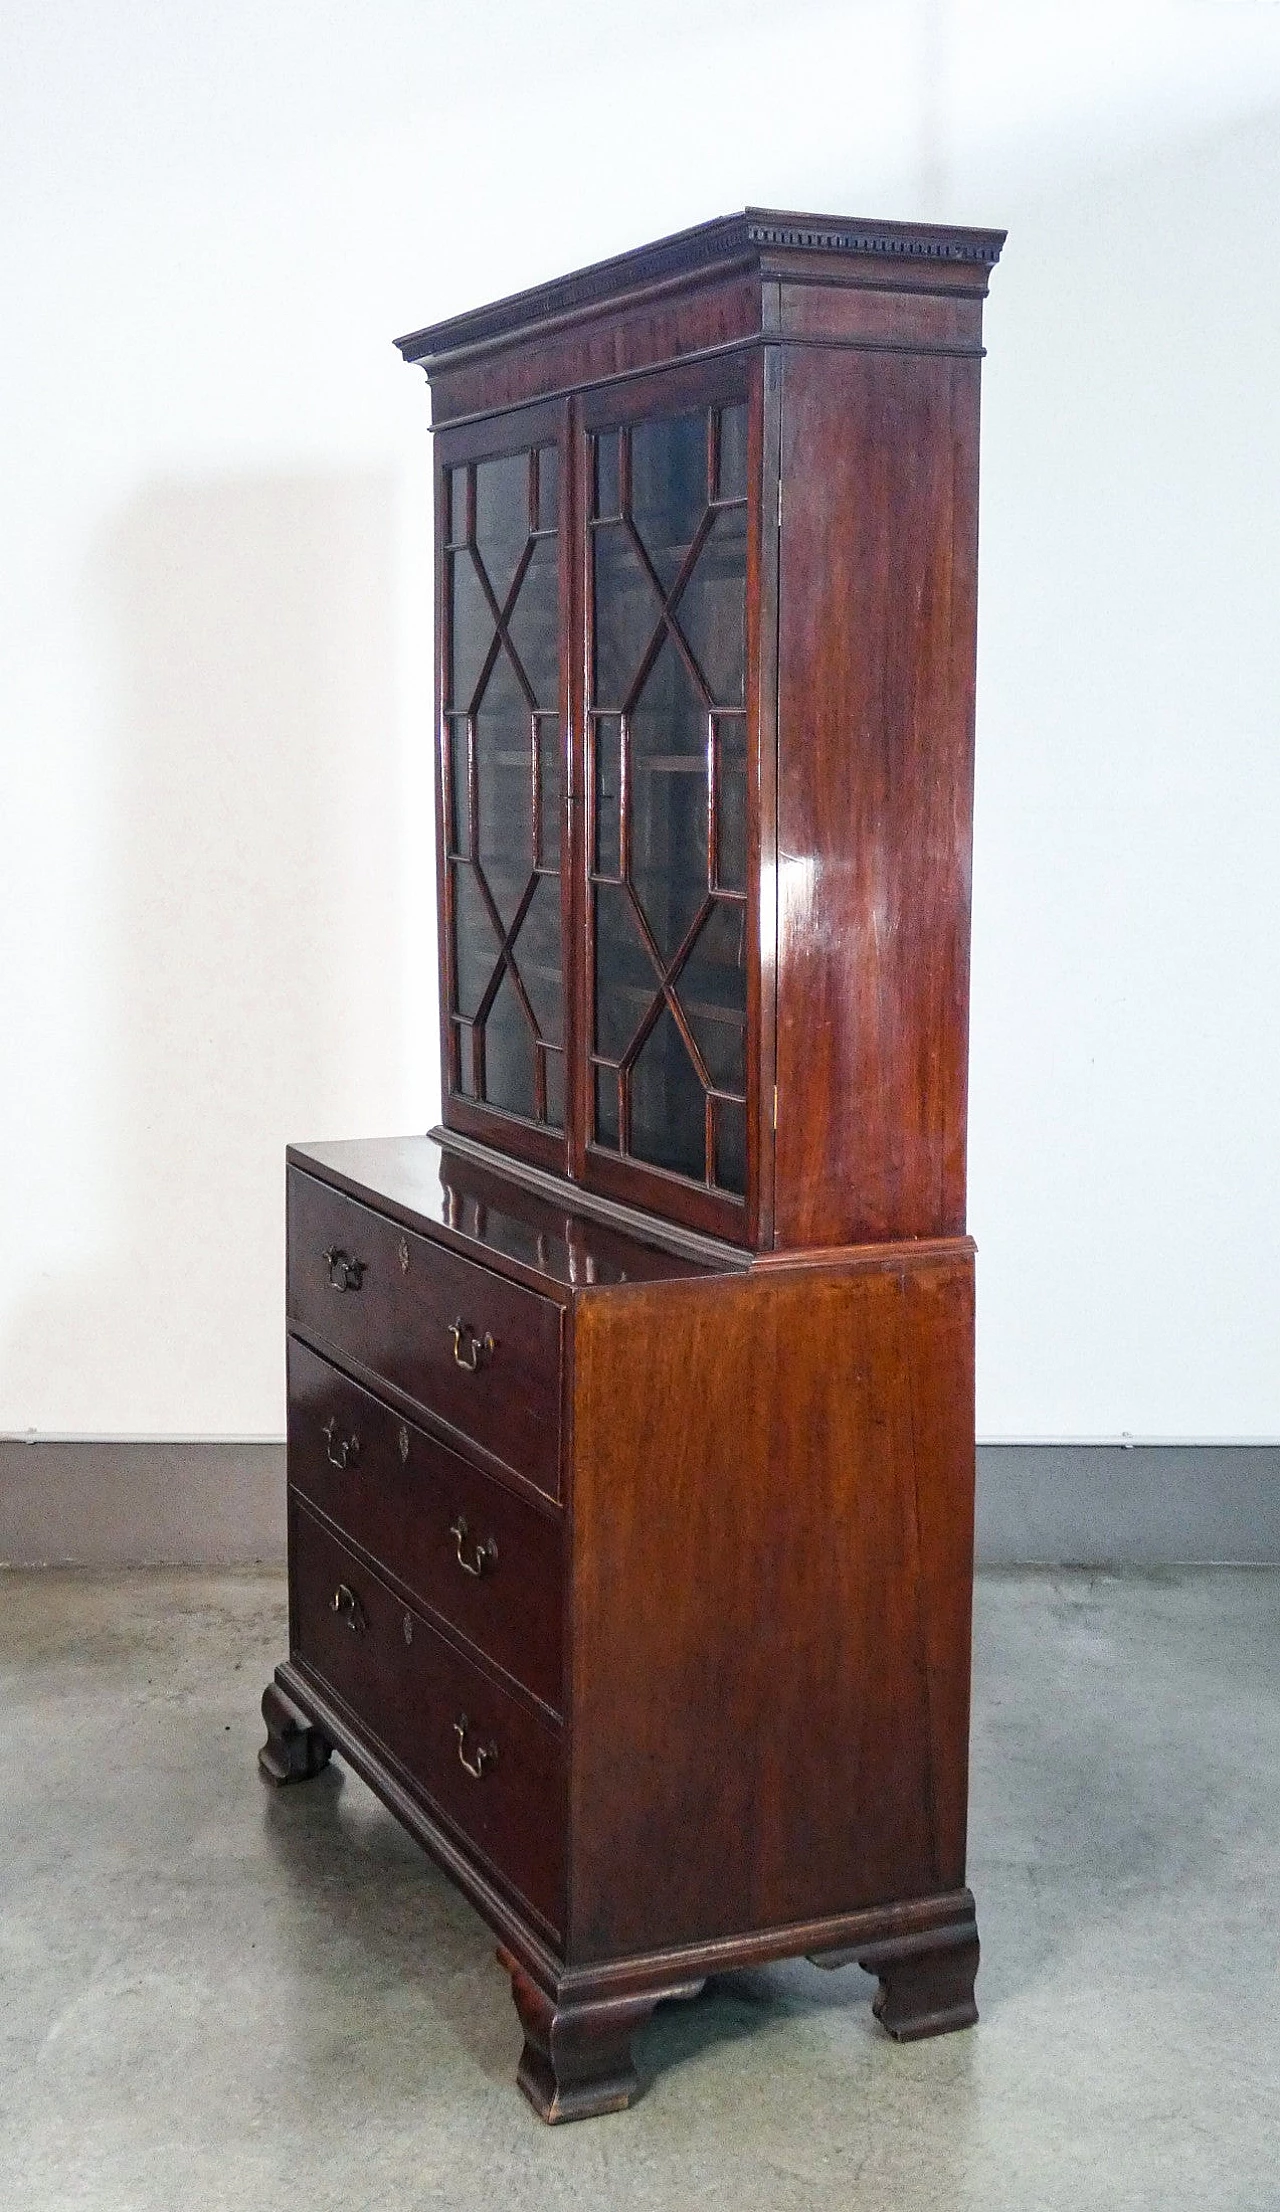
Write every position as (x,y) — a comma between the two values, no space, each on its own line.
(668,893)
(502,588)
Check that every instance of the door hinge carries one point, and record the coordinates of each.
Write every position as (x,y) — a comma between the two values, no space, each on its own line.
(775,1105)
(779,502)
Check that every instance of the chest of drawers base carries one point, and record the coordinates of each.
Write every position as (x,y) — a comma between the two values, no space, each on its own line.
(579,2022)
(651,1621)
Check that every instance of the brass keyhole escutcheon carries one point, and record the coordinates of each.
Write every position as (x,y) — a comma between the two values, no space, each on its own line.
(404,1255)
(402,1445)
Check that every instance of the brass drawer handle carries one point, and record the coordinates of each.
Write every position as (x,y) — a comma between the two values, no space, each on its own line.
(340,1451)
(348,1608)
(483,1556)
(486,1753)
(478,1350)
(345,1273)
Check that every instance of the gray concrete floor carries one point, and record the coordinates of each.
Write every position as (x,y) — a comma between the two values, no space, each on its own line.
(216,1995)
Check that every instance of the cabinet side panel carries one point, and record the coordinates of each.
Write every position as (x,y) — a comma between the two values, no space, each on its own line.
(878,564)
(772,1515)
(938,1328)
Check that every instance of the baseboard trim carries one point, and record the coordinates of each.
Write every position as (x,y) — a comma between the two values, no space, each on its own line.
(155,1503)
(1128,1505)
(141,1504)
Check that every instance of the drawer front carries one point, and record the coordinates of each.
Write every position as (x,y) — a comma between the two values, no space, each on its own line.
(481,1353)
(493,1768)
(460,1541)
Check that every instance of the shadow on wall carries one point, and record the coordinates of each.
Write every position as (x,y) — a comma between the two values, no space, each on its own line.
(248,958)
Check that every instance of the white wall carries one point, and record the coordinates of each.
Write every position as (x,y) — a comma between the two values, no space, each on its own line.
(214,611)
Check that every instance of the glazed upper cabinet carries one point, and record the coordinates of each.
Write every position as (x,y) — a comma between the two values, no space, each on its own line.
(706,700)
(666,783)
(599,960)
(503,633)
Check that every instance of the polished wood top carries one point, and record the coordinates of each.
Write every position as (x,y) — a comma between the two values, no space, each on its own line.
(516,1222)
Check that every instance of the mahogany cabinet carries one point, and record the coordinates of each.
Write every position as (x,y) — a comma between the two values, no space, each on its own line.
(631,1411)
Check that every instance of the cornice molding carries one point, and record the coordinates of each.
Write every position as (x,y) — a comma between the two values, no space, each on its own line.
(744,240)
(900,241)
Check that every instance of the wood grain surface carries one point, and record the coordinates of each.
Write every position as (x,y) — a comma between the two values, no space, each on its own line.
(398,1322)
(411,1690)
(401,1496)
(772,1502)
(875,781)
